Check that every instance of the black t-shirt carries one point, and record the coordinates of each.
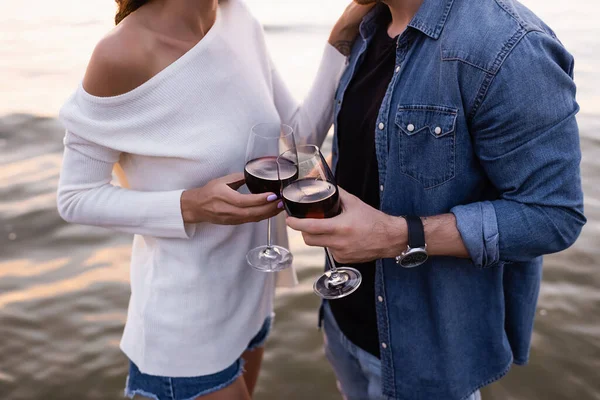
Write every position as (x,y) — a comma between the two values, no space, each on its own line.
(357,172)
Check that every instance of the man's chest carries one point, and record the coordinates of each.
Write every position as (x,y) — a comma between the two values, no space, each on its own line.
(424,150)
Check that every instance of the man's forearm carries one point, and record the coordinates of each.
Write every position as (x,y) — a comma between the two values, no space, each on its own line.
(441,235)
(342,42)
(345,29)
(443,238)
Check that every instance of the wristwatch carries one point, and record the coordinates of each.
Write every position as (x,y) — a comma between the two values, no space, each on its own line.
(416,253)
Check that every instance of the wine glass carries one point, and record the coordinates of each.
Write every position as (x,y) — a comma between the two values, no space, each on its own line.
(267,141)
(314,194)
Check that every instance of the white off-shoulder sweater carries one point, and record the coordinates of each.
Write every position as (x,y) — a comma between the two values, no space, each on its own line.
(195,303)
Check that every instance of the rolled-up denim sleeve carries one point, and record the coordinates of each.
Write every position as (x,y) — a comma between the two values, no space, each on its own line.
(478,227)
(526,138)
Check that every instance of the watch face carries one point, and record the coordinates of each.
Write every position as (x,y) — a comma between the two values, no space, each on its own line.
(414,258)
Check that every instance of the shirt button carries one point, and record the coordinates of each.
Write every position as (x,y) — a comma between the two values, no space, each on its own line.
(397,69)
(438,131)
(381,125)
(410,127)
(380,299)
(381,188)
(384,345)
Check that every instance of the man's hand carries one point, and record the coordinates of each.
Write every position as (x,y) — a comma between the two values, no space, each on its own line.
(359,234)
(346,28)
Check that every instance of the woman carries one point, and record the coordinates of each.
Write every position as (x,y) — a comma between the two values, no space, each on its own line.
(171,94)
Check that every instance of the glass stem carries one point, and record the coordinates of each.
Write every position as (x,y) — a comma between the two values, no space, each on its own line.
(332,268)
(269,244)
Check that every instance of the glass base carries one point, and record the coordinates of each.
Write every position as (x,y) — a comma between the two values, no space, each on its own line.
(335,286)
(269,259)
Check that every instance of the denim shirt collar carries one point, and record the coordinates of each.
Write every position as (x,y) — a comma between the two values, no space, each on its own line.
(430,19)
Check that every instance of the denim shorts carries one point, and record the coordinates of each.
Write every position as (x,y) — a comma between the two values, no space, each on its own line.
(165,388)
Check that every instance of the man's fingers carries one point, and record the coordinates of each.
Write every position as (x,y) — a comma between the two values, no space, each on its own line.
(345,197)
(317,240)
(309,239)
(312,226)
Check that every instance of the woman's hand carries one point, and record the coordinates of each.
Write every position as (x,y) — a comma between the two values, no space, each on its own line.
(346,28)
(219,203)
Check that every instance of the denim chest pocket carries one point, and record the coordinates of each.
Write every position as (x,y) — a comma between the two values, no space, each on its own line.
(427,143)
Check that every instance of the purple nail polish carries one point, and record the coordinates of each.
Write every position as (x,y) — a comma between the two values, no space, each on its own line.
(280,205)
(272,197)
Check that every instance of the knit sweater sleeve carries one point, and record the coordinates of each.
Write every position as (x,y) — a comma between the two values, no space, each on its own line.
(312,119)
(86,195)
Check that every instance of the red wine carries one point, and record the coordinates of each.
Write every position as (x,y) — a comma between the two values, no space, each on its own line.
(310,198)
(261,174)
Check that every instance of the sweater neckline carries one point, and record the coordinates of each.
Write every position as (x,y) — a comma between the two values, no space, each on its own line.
(162,74)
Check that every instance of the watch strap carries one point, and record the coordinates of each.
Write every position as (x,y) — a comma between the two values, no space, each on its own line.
(416,232)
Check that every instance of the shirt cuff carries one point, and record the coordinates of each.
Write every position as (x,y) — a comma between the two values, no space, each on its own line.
(169,220)
(478,228)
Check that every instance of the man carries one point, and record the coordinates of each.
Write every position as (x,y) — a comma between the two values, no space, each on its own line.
(457,140)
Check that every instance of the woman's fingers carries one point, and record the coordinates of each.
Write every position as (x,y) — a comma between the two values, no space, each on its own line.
(249,200)
(232,215)
(233,197)
(236,176)
(235,185)
(263,212)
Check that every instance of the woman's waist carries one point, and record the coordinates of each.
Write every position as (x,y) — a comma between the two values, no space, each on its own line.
(207,239)
(214,252)
(178,300)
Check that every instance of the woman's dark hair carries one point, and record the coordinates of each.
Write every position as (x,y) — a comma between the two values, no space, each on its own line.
(126,7)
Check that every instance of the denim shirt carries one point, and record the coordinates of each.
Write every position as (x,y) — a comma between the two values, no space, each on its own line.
(478,120)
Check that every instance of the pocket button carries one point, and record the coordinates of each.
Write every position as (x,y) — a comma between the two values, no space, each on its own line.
(426,143)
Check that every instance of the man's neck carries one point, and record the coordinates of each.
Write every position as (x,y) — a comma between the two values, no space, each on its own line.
(402,12)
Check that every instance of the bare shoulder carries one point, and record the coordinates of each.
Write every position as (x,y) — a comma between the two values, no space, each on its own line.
(120,62)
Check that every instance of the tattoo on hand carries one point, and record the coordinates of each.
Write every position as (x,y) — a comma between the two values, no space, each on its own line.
(343,46)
